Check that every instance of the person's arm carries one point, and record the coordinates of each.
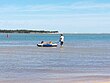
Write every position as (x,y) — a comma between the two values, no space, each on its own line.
(60,39)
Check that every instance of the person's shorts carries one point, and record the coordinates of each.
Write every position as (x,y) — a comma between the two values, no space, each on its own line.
(61,43)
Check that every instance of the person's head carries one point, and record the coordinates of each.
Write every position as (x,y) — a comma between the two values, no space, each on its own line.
(50,42)
(61,34)
(42,42)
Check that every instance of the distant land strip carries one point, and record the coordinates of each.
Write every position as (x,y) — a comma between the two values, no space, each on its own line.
(27,31)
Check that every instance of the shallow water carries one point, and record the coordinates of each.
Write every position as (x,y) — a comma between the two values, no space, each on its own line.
(44,63)
(76,59)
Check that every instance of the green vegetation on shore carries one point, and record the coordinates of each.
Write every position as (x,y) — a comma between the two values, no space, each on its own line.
(27,31)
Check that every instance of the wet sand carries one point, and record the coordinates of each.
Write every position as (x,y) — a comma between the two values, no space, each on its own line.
(87,80)
(34,50)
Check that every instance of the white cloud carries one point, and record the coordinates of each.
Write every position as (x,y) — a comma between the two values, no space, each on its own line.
(91,5)
(49,8)
(58,17)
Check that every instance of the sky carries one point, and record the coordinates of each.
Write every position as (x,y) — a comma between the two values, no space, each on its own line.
(67,16)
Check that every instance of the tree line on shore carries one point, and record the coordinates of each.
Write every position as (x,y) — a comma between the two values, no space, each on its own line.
(27,31)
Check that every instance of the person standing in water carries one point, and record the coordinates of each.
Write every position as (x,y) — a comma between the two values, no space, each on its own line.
(7,36)
(61,40)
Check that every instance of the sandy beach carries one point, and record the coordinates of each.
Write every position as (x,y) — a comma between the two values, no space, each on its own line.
(66,80)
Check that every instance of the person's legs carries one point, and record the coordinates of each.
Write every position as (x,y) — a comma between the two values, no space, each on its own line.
(61,43)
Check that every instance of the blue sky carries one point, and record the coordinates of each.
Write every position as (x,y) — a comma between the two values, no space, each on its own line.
(69,16)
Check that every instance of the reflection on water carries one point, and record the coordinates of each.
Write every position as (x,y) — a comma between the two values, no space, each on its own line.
(34,62)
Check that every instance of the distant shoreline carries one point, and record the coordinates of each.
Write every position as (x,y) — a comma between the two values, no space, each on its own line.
(27,31)
(23,31)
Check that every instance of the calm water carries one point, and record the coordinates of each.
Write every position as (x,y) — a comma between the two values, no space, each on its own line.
(82,55)
(70,39)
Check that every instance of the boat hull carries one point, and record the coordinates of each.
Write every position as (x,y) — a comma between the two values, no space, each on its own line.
(47,45)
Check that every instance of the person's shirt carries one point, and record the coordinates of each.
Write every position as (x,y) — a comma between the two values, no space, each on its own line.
(62,38)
